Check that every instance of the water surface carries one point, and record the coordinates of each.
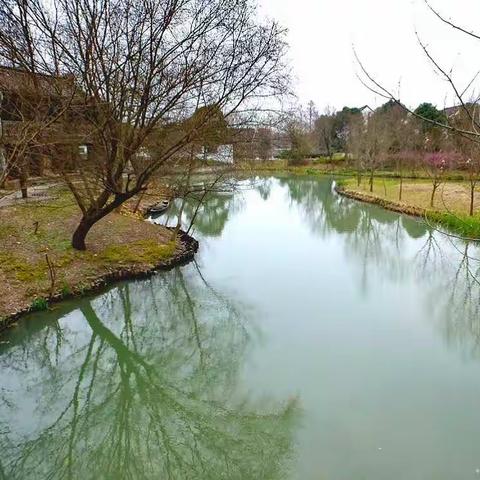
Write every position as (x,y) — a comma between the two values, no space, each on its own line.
(313,338)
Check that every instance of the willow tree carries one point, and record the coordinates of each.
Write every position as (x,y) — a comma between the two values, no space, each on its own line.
(142,68)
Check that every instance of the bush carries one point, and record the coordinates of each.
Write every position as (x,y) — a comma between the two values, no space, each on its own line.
(39,305)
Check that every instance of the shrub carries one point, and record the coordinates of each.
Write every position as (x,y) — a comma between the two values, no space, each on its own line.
(39,305)
(66,290)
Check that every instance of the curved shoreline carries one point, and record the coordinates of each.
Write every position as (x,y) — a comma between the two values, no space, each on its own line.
(453,225)
(381,202)
(188,247)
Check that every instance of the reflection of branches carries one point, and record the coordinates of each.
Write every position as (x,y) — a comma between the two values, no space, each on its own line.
(208,215)
(461,318)
(133,402)
(429,254)
(443,264)
(371,234)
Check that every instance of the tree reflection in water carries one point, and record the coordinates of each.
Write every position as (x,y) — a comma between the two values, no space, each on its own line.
(396,246)
(381,242)
(141,384)
(209,214)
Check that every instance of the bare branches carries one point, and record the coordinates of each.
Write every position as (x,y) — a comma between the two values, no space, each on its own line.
(450,23)
(377,88)
(472,133)
(142,69)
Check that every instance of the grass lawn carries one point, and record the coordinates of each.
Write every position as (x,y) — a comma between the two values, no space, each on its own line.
(451,203)
(450,197)
(119,241)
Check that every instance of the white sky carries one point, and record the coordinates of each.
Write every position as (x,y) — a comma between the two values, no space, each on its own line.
(322,32)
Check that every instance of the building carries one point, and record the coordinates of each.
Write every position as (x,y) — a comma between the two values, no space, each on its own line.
(221,154)
(43,123)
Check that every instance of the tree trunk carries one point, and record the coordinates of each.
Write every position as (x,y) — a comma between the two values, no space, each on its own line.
(23,183)
(371,181)
(400,193)
(80,234)
(92,216)
(472,198)
(432,198)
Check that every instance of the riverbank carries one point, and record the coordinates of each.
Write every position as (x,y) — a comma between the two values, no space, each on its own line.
(38,266)
(450,213)
(451,200)
(340,169)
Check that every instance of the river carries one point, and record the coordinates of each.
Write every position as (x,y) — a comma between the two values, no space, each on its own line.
(314,338)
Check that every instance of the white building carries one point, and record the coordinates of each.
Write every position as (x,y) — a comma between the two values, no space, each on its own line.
(224,154)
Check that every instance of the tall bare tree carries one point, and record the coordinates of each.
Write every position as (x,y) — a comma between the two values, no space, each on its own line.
(325,132)
(140,67)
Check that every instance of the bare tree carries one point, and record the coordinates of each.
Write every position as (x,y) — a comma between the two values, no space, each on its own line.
(469,152)
(300,142)
(325,132)
(312,114)
(368,142)
(140,67)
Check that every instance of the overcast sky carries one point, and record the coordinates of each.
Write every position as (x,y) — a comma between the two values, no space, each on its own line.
(322,32)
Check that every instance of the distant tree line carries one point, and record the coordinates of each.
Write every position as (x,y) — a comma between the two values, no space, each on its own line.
(391,137)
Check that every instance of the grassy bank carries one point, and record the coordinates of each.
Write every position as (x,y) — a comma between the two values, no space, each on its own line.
(451,201)
(37,262)
(340,167)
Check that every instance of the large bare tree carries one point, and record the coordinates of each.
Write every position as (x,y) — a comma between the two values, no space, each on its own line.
(142,68)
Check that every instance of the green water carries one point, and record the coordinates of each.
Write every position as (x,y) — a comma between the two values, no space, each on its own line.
(313,338)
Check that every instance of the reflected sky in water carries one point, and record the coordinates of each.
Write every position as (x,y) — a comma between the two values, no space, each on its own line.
(314,338)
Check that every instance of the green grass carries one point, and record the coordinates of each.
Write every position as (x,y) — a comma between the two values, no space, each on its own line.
(340,165)
(142,251)
(66,291)
(39,305)
(21,268)
(462,225)
(336,157)
(6,231)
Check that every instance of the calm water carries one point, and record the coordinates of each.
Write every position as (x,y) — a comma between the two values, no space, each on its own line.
(314,338)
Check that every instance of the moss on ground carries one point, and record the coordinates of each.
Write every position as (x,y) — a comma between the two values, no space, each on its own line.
(142,251)
(30,233)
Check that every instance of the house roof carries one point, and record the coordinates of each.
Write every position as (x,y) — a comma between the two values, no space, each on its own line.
(21,81)
(451,111)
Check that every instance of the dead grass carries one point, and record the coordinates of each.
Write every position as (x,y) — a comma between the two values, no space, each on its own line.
(453,197)
(451,207)
(118,240)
